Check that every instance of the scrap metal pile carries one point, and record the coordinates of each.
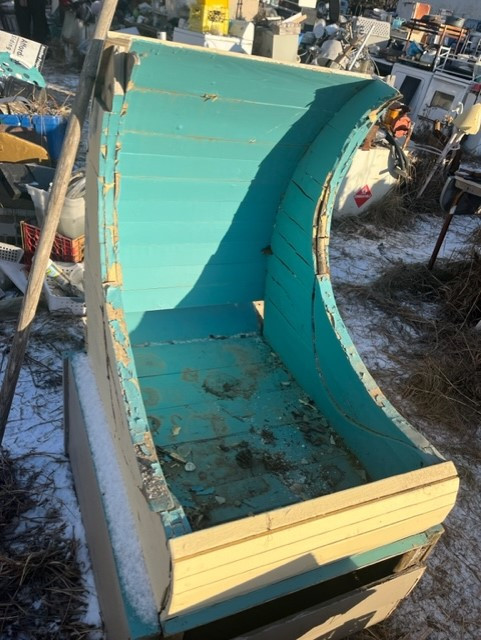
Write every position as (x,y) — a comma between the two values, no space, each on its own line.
(32,128)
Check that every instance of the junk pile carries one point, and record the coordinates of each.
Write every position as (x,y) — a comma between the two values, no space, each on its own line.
(32,128)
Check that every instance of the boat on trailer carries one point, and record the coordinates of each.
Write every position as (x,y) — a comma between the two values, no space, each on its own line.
(240,473)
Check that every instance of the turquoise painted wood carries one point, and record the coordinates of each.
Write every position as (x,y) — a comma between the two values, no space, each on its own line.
(222,176)
(215,178)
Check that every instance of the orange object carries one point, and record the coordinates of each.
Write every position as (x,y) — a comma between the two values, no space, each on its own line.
(421,9)
(64,249)
(401,126)
(392,114)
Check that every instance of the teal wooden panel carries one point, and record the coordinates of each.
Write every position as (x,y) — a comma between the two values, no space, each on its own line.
(186,189)
(299,268)
(206,421)
(191,115)
(296,235)
(181,70)
(194,253)
(158,397)
(199,275)
(195,385)
(299,209)
(177,145)
(192,355)
(379,443)
(181,232)
(222,293)
(217,418)
(156,326)
(161,166)
(294,349)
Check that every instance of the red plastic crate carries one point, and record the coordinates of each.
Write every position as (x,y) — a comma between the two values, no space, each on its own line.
(64,249)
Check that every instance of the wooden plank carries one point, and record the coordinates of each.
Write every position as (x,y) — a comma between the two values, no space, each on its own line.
(156,255)
(193,115)
(191,386)
(352,612)
(257,408)
(264,524)
(327,531)
(206,420)
(196,296)
(188,211)
(159,326)
(234,585)
(175,358)
(298,208)
(93,515)
(199,275)
(297,312)
(301,269)
(259,81)
(190,190)
(175,144)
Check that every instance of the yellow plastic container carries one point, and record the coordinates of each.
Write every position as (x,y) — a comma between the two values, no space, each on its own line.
(210,16)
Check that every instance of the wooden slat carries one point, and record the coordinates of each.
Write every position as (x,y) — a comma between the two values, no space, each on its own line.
(192,276)
(260,80)
(264,524)
(266,123)
(258,578)
(189,387)
(174,358)
(173,325)
(176,144)
(351,612)
(324,532)
(188,296)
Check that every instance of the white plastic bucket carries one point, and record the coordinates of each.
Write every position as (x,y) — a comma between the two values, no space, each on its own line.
(72,218)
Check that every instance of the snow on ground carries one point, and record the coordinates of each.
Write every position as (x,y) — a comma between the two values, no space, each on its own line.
(447,601)
(34,434)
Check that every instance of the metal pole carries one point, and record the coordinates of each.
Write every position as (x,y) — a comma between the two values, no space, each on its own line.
(54,209)
(359,51)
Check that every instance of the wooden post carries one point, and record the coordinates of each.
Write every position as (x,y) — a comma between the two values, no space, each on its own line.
(54,209)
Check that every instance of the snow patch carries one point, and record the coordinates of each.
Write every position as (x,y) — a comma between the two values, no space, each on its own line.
(127,550)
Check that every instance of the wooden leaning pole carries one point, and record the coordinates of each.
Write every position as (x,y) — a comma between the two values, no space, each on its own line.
(54,209)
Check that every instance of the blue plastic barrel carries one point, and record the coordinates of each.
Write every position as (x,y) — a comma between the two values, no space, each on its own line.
(52,127)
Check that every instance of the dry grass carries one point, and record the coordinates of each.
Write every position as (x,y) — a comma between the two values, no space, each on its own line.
(453,285)
(382,632)
(443,361)
(41,590)
(444,383)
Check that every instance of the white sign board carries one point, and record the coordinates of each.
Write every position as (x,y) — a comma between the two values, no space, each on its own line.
(26,52)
